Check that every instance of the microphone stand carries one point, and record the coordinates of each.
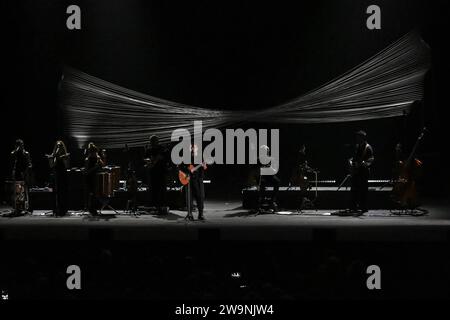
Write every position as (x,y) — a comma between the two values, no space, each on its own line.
(14,182)
(84,211)
(344,181)
(316,174)
(51,161)
(390,182)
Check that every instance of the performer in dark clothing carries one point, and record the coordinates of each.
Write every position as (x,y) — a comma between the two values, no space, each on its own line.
(93,164)
(399,159)
(268,180)
(156,157)
(21,160)
(103,155)
(195,189)
(301,169)
(360,170)
(21,175)
(132,190)
(300,178)
(59,162)
(302,160)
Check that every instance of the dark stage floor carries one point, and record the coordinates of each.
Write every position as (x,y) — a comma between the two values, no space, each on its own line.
(228,221)
(284,256)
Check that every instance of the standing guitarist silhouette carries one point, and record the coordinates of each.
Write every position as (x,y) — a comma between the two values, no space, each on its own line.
(191,177)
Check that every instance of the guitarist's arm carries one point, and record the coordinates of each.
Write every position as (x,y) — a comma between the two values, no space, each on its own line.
(184,168)
(100,162)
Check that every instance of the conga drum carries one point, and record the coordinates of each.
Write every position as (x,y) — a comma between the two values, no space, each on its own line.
(104,185)
(20,196)
(115,176)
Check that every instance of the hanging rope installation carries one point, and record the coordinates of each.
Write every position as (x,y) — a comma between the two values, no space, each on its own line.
(386,85)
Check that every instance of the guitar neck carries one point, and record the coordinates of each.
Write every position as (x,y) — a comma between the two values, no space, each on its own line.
(197,167)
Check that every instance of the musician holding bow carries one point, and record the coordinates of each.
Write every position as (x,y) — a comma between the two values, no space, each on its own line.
(360,165)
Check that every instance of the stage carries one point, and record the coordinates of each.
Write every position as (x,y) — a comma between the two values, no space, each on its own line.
(226,220)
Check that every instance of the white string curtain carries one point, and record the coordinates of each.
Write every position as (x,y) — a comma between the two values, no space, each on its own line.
(386,85)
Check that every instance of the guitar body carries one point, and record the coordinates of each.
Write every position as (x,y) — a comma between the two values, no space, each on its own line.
(184,177)
(405,189)
(406,193)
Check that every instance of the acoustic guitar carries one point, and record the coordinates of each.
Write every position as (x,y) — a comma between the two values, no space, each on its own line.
(186,177)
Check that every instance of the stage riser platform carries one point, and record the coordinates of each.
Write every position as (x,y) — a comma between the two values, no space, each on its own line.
(328,198)
(45,200)
(207,233)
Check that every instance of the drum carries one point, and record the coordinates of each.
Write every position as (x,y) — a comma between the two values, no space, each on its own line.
(104,185)
(66,161)
(115,176)
(20,196)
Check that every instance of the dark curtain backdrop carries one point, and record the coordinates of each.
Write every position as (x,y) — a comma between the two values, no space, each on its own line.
(233,54)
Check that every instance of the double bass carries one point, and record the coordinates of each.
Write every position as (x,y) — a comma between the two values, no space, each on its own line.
(405,188)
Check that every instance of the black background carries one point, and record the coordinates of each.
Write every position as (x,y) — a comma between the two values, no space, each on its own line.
(232,55)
